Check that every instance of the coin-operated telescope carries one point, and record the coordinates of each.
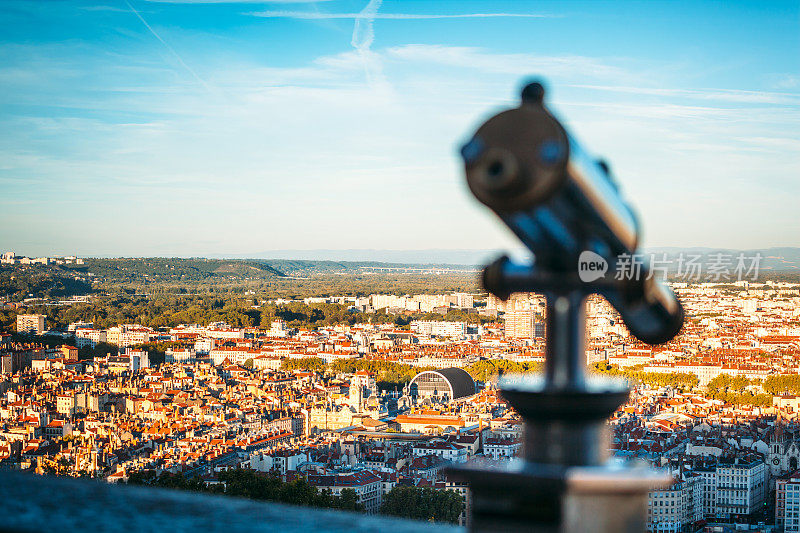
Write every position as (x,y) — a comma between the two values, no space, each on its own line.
(567,210)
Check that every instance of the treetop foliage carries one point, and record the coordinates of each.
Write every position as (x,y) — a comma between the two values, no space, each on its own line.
(674,379)
(729,389)
(253,485)
(390,374)
(423,503)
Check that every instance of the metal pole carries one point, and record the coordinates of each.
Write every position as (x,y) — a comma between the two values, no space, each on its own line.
(565,361)
(562,482)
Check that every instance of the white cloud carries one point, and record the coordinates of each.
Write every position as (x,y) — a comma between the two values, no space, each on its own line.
(237,1)
(784,81)
(363,32)
(720,95)
(314,15)
(778,144)
(516,64)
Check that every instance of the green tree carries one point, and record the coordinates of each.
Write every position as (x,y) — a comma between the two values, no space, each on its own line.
(254,485)
(314,364)
(681,380)
(348,500)
(491,368)
(423,503)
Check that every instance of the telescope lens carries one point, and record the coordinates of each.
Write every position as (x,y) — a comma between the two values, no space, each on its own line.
(517,159)
(497,171)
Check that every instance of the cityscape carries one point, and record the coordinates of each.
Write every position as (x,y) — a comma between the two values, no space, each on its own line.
(363,412)
(400,266)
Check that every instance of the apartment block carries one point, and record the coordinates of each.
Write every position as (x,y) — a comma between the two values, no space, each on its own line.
(31,324)
(520,324)
(670,510)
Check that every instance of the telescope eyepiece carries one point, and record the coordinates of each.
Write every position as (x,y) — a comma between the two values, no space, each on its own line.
(498,171)
(517,159)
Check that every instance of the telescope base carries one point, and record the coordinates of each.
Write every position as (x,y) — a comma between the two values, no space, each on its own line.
(522,496)
(563,481)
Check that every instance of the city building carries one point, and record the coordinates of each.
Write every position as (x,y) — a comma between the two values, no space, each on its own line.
(671,510)
(734,487)
(787,502)
(450,383)
(70,352)
(89,337)
(520,324)
(367,486)
(438,328)
(31,324)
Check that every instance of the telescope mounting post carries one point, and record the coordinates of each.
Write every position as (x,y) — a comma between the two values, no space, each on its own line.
(565,361)
(563,205)
(563,481)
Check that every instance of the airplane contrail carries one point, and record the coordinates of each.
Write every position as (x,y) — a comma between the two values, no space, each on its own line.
(363,33)
(363,36)
(168,47)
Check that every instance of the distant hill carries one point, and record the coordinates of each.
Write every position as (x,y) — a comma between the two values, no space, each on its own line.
(451,270)
(303,268)
(403,257)
(778,259)
(20,282)
(176,270)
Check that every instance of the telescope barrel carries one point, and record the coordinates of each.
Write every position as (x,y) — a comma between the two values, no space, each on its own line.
(649,308)
(524,166)
(562,203)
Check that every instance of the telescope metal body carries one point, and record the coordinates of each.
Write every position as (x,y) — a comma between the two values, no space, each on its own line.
(565,207)
(563,203)
(556,198)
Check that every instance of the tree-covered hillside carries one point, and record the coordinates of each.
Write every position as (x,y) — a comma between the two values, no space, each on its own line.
(37,281)
(171,270)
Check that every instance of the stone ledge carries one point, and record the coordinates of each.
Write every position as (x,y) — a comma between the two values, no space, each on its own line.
(39,503)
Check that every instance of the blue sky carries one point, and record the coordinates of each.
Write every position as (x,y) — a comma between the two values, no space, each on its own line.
(200,127)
